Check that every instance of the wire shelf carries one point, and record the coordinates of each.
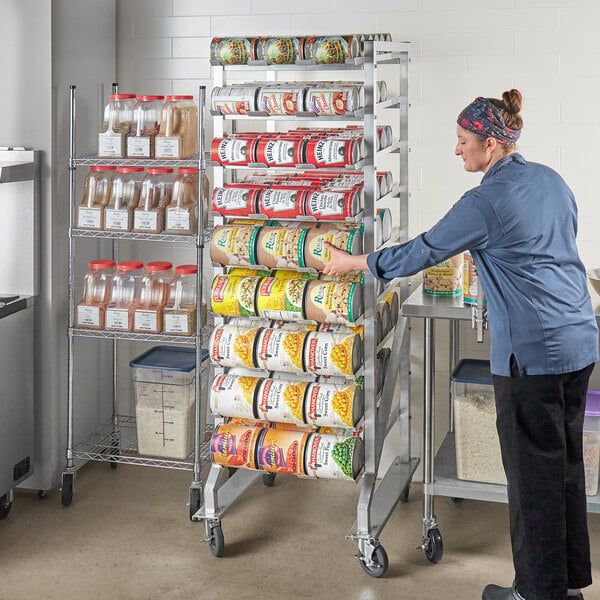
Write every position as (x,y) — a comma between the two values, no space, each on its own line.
(92,160)
(145,237)
(139,337)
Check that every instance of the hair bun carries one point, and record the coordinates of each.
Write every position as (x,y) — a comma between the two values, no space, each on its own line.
(513,101)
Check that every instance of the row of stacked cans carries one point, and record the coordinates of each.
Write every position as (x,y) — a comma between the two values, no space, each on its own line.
(285,50)
(322,98)
(321,148)
(287,450)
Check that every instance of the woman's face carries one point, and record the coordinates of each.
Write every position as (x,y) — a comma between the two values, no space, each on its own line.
(473,149)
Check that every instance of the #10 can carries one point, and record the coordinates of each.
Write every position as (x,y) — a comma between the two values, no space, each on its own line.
(234,396)
(281,401)
(334,354)
(281,298)
(233,346)
(332,152)
(281,451)
(234,245)
(234,445)
(281,350)
(234,99)
(234,296)
(332,457)
(329,405)
(278,100)
(236,201)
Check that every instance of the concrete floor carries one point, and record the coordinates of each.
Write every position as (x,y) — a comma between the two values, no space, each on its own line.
(127,536)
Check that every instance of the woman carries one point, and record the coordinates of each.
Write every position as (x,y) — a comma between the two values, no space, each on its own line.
(520,225)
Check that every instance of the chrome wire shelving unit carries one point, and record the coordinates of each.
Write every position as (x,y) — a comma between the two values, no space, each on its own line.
(388,410)
(115,441)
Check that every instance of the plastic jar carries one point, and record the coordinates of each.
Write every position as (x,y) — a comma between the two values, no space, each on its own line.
(178,135)
(180,310)
(118,116)
(154,293)
(124,197)
(157,189)
(90,312)
(125,290)
(144,126)
(96,195)
(182,213)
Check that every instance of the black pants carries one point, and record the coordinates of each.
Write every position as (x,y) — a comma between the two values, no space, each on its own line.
(540,421)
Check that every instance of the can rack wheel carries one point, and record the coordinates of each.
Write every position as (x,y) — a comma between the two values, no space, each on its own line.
(433,546)
(215,538)
(373,559)
(5,505)
(66,490)
(195,501)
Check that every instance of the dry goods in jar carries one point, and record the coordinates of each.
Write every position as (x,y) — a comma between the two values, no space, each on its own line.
(234,445)
(90,312)
(234,396)
(281,298)
(282,401)
(178,134)
(329,405)
(144,127)
(233,346)
(335,354)
(181,214)
(331,302)
(157,189)
(118,117)
(234,245)
(279,247)
(154,293)
(124,197)
(96,195)
(317,255)
(180,310)
(234,296)
(445,278)
(125,290)
(334,457)
(281,451)
(281,350)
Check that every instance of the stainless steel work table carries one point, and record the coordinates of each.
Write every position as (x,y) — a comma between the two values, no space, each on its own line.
(439,471)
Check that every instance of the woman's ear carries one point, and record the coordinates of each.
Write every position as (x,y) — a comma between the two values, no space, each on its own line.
(491,144)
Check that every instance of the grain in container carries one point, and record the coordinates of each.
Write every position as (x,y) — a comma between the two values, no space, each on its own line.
(445,278)
(235,396)
(232,50)
(234,445)
(332,152)
(591,442)
(282,203)
(282,401)
(233,346)
(316,255)
(281,350)
(280,50)
(141,139)
(96,195)
(234,245)
(331,49)
(180,310)
(118,116)
(281,248)
(90,312)
(125,290)
(332,206)
(181,214)
(236,201)
(234,151)
(157,190)
(281,99)
(335,354)
(234,296)
(471,282)
(330,456)
(154,293)
(332,302)
(178,134)
(125,195)
(281,451)
(234,99)
(281,298)
(329,405)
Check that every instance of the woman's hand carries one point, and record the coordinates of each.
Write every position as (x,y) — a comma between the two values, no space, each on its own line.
(341,262)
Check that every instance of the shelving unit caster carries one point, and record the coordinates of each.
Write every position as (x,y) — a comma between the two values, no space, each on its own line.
(42,494)
(214,538)
(269,479)
(372,557)
(433,546)
(66,490)
(195,501)
(6,502)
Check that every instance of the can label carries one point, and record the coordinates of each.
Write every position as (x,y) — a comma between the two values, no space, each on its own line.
(234,445)
(234,100)
(471,281)
(234,245)
(231,51)
(281,203)
(233,151)
(445,278)
(234,296)
(233,346)
(281,451)
(317,255)
(345,329)
(282,401)
(329,49)
(281,101)
(332,457)
(279,152)
(331,152)
(281,299)
(233,396)
(281,350)
(236,201)
(330,353)
(331,405)
(331,302)
(331,205)
(281,248)
(330,101)
(281,50)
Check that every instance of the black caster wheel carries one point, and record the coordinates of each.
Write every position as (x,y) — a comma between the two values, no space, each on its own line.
(216,541)
(457,500)
(378,564)
(42,494)
(405,493)
(194,501)
(434,546)
(5,506)
(113,463)
(66,491)
(269,479)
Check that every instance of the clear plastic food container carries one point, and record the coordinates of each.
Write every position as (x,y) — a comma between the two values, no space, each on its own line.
(591,442)
(118,116)
(154,293)
(182,213)
(124,197)
(157,190)
(90,312)
(180,310)
(125,291)
(178,135)
(96,195)
(144,126)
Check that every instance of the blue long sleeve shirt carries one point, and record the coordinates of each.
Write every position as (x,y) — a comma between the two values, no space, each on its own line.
(520,225)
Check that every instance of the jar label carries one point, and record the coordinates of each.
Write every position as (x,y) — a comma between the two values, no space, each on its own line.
(167,147)
(116,219)
(109,144)
(89,218)
(138,146)
(117,318)
(146,320)
(177,323)
(145,220)
(88,315)
(178,218)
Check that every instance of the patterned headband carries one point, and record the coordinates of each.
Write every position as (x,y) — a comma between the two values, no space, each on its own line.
(484,119)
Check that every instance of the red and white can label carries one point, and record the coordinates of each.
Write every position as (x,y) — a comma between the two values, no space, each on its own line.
(233,151)
(331,205)
(279,152)
(331,101)
(331,152)
(281,101)
(281,203)
(235,201)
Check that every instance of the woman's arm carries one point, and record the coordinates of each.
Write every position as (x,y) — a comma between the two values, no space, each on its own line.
(341,262)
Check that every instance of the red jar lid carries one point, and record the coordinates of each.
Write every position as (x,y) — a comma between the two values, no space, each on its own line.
(102,168)
(122,96)
(130,265)
(102,263)
(156,171)
(186,269)
(130,169)
(145,98)
(159,266)
(180,97)
(190,170)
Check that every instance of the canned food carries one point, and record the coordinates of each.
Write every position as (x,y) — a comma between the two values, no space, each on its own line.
(234,296)
(280,247)
(235,396)
(392,301)
(281,298)
(248,323)
(292,326)
(281,451)
(445,278)
(382,183)
(331,49)
(332,101)
(232,51)
(384,217)
(329,405)
(245,272)
(316,255)
(332,353)
(346,329)
(383,310)
(471,281)
(280,50)
(280,152)
(234,245)
(332,205)
(234,151)
(353,277)
(282,401)
(281,350)
(234,99)
(332,302)
(234,445)
(233,346)
(382,90)
(288,274)
(329,456)
(383,359)
(282,203)
(332,152)
(276,100)
(238,201)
